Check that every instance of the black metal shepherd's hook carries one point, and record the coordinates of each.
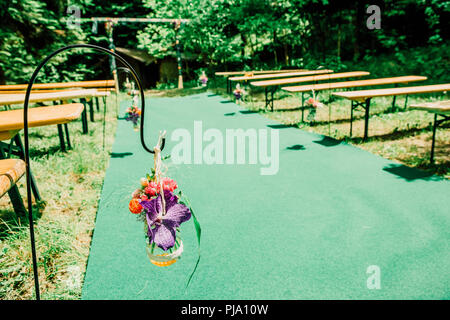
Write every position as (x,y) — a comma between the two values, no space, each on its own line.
(26,140)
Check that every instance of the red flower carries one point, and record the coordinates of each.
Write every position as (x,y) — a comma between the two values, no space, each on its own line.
(310,101)
(134,206)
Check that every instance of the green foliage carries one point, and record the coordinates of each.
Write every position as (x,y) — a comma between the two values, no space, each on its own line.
(222,34)
(30,30)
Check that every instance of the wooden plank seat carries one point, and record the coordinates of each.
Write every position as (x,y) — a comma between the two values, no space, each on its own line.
(228,74)
(350,84)
(275,84)
(11,122)
(246,78)
(362,98)
(280,75)
(50,90)
(11,170)
(236,73)
(62,85)
(441,110)
(100,85)
(86,96)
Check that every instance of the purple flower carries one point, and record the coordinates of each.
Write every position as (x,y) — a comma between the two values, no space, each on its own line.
(162,229)
(133,117)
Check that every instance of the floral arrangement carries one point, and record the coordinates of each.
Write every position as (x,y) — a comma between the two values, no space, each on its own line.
(203,79)
(163,212)
(162,209)
(238,93)
(133,113)
(313,104)
(129,86)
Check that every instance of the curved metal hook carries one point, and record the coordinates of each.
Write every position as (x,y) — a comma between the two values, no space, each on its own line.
(26,139)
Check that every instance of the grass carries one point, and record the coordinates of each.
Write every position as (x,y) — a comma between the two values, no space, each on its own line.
(398,134)
(70,183)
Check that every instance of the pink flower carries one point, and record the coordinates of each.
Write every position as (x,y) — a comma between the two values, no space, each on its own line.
(151,189)
(169,184)
(313,103)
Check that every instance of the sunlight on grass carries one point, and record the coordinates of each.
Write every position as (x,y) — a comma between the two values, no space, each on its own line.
(70,183)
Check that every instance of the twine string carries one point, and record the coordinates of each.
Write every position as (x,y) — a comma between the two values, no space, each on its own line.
(158,169)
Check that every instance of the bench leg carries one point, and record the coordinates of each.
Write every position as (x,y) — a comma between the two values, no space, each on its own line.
(91,109)
(16,201)
(18,150)
(366,120)
(66,130)
(435,124)
(351,118)
(97,103)
(366,106)
(271,99)
(84,121)
(34,187)
(393,102)
(61,138)
(303,107)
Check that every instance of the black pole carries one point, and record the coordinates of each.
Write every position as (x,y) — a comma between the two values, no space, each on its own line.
(26,138)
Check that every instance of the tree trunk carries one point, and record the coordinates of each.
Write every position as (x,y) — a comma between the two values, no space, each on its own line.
(286,55)
(275,47)
(358,24)
(339,41)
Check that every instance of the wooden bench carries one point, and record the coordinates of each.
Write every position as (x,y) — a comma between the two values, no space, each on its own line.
(362,98)
(86,97)
(228,74)
(62,85)
(11,170)
(274,84)
(50,90)
(11,122)
(280,75)
(350,84)
(236,73)
(99,85)
(440,109)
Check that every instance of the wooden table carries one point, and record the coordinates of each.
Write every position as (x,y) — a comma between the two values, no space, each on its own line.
(11,122)
(440,109)
(351,84)
(362,98)
(274,84)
